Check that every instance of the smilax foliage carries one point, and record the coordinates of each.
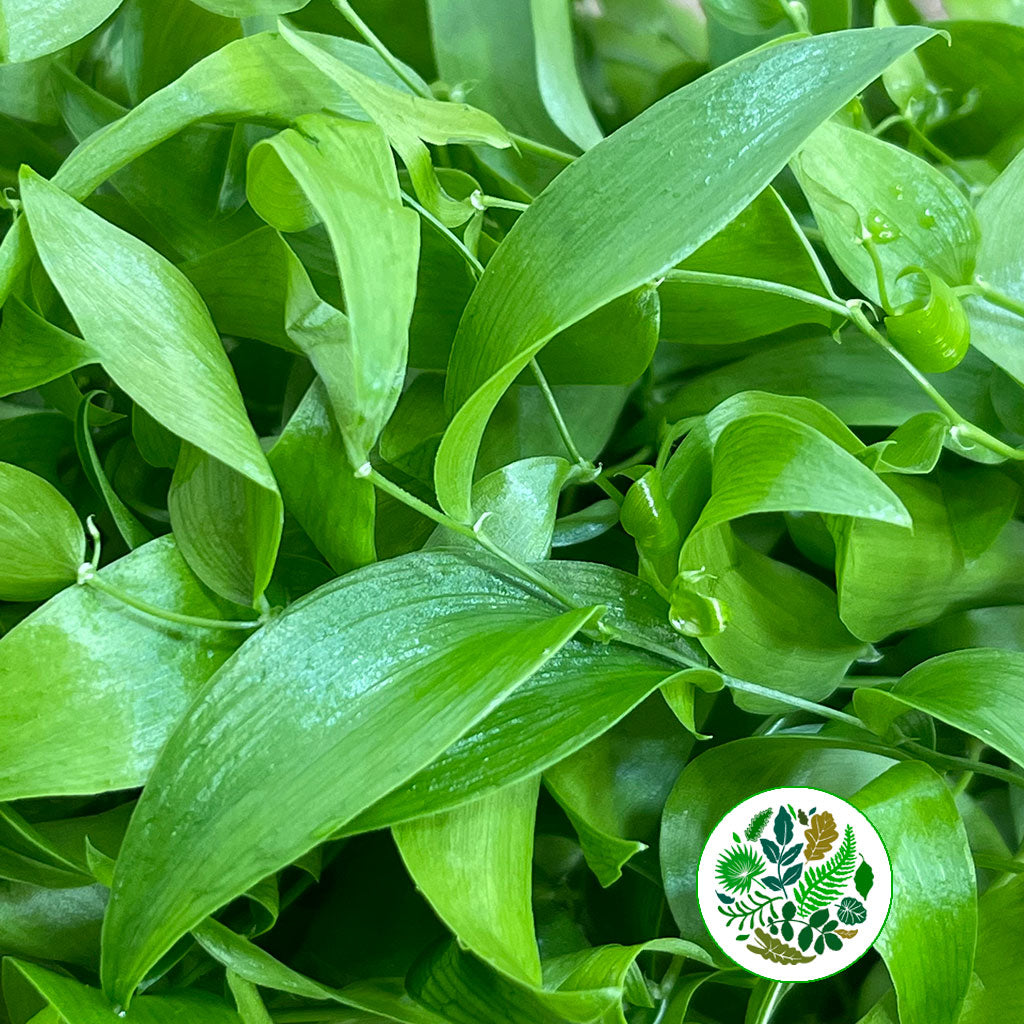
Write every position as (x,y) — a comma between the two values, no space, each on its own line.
(454,451)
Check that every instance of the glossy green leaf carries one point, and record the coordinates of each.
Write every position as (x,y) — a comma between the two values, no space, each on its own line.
(541,279)
(557,77)
(80,1004)
(928,938)
(912,214)
(122,678)
(409,122)
(475,654)
(52,924)
(29,30)
(251,8)
(42,542)
(474,865)
(977,691)
(145,323)
(995,965)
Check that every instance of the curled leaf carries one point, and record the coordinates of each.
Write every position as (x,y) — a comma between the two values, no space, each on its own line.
(693,611)
(933,331)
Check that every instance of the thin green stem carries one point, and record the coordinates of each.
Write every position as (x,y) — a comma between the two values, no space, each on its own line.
(475,265)
(1002,864)
(876,261)
(485,202)
(797,14)
(98,583)
(759,285)
(884,125)
(541,149)
(389,58)
(996,297)
(962,764)
(556,415)
(609,488)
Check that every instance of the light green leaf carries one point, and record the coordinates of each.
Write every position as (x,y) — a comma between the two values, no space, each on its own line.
(347,174)
(474,865)
(52,924)
(251,8)
(996,964)
(80,1004)
(997,332)
(560,85)
(145,323)
(914,214)
(29,29)
(543,277)
(42,542)
(977,691)
(748,17)
(94,688)
(409,122)
(414,652)
(928,938)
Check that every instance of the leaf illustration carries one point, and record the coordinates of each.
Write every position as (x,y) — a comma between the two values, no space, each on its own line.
(801,817)
(791,854)
(821,836)
(758,823)
(864,879)
(783,827)
(846,933)
(793,874)
(823,884)
(776,950)
(805,937)
(851,911)
(738,867)
(771,850)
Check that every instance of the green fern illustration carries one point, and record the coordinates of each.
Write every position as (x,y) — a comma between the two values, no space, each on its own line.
(757,824)
(821,885)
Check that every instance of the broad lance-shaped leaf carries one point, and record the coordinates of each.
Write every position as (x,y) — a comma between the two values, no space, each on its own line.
(259,78)
(355,688)
(559,81)
(81,1004)
(346,174)
(145,323)
(42,542)
(617,199)
(29,30)
(410,122)
(913,214)
(476,862)
(977,691)
(928,938)
(93,688)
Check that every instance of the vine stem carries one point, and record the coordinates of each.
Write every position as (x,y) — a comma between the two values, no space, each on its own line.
(770,1000)
(542,149)
(88,577)
(997,297)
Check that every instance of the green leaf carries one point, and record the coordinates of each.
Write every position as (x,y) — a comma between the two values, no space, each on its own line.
(318,485)
(143,320)
(749,17)
(51,924)
(29,30)
(348,177)
(94,687)
(557,282)
(997,332)
(474,865)
(250,8)
(864,879)
(409,122)
(42,542)
(913,214)
(473,636)
(560,85)
(928,938)
(822,884)
(977,691)
(80,1004)
(932,331)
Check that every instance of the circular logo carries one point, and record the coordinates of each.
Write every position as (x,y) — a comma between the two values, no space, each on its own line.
(794,884)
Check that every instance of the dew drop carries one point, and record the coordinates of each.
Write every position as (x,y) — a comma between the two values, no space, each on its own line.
(927,218)
(707,180)
(881,230)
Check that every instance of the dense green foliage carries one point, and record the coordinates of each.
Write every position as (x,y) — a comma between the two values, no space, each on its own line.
(454,451)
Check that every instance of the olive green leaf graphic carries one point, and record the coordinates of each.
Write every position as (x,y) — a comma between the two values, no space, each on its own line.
(820,836)
(738,867)
(776,950)
(757,824)
(822,885)
(864,879)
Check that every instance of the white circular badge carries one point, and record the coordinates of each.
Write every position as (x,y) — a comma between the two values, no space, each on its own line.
(794,884)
